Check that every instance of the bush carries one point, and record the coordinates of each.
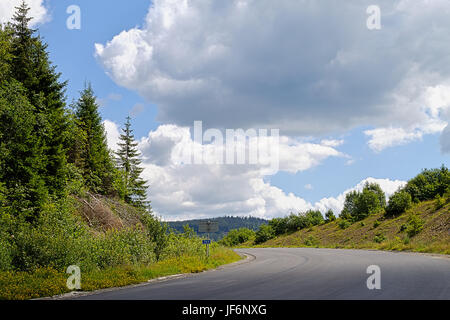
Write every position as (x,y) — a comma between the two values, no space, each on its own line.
(379,238)
(314,218)
(358,205)
(439,202)
(398,203)
(376,224)
(311,242)
(264,233)
(279,225)
(237,236)
(329,216)
(428,184)
(414,225)
(344,223)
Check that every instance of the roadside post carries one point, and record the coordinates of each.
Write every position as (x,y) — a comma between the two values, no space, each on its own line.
(208,227)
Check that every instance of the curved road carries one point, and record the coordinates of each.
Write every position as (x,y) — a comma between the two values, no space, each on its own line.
(305,273)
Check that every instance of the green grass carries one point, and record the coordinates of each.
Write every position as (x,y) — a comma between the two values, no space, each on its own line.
(47,282)
(376,232)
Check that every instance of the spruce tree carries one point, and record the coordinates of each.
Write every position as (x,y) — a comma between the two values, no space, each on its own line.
(95,160)
(21,154)
(31,67)
(128,161)
(5,53)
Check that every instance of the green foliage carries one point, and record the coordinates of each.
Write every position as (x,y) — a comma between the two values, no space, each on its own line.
(311,242)
(295,222)
(5,53)
(157,231)
(226,224)
(95,160)
(399,202)
(30,65)
(428,184)
(376,224)
(413,226)
(238,236)
(21,153)
(379,238)
(358,205)
(264,234)
(329,216)
(128,161)
(439,202)
(343,223)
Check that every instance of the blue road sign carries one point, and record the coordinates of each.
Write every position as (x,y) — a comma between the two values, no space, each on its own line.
(206,241)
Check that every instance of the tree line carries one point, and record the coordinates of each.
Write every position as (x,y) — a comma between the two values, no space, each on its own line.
(430,184)
(44,143)
(51,151)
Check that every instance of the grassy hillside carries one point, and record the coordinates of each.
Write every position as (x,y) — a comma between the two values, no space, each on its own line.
(377,232)
(110,244)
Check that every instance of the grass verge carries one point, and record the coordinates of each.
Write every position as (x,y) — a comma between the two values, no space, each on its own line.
(376,232)
(45,282)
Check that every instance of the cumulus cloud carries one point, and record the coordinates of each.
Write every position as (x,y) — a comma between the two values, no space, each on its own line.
(112,134)
(306,67)
(183,191)
(38,10)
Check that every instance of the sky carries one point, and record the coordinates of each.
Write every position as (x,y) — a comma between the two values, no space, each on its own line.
(353,100)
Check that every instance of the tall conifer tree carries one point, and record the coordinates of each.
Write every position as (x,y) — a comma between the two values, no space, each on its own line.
(128,161)
(95,159)
(32,68)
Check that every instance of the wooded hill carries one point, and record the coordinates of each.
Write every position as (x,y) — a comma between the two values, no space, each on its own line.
(225,225)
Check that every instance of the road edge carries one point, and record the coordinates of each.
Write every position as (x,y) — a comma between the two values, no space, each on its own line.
(76,294)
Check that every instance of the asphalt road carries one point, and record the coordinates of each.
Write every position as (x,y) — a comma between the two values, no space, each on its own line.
(305,273)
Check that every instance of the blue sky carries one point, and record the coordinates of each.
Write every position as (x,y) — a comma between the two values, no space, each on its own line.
(73,52)
(312,70)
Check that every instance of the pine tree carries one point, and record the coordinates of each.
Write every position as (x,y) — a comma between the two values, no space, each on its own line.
(32,68)
(95,159)
(5,53)
(21,154)
(128,161)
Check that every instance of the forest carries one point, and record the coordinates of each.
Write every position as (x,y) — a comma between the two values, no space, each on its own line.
(65,197)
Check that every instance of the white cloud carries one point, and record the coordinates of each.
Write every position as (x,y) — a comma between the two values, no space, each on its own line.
(184,191)
(112,134)
(388,137)
(244,63)
(309,186)
(38,10)
(436,104)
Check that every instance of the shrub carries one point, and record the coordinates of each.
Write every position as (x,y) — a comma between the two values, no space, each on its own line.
(329,215)
(344,223)
(264,233)
(439,202)
(376,224)
(414,225)
(358,205)
(311,242)
(314,218)
(237,236)
(398,203)
(379,238)
(428,184)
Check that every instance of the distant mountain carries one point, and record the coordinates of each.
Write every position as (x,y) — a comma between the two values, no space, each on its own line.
(225,224)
